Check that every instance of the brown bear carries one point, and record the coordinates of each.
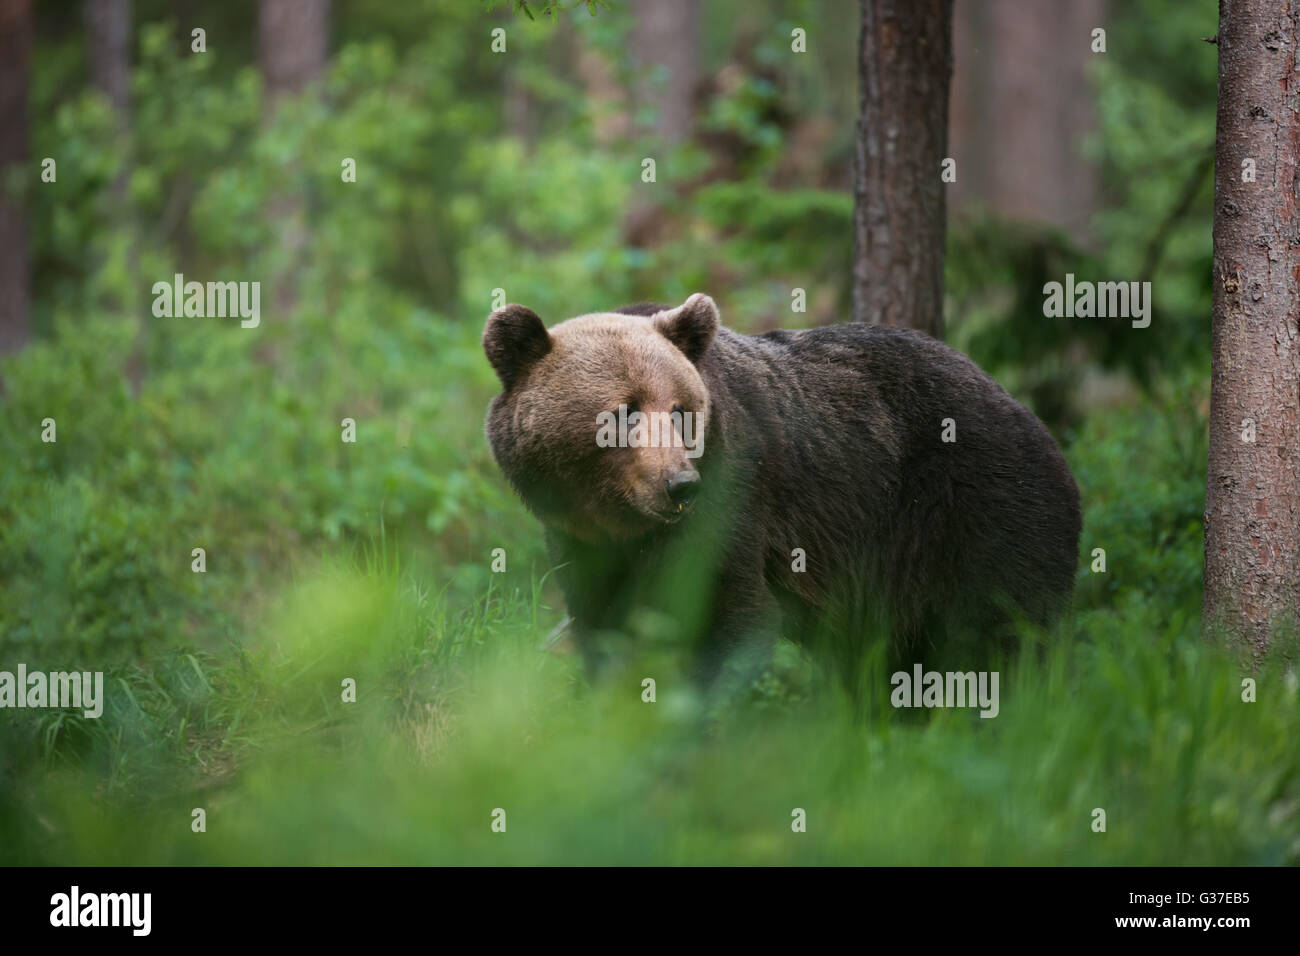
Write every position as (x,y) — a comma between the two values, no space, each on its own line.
(853,486)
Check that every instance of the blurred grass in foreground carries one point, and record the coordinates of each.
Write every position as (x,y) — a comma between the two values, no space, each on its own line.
(459,714)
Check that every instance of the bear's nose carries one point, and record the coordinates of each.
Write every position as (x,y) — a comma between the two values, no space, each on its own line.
(682,486)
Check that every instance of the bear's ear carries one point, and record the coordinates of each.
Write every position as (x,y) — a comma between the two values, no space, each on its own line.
(514,339)
(691,326)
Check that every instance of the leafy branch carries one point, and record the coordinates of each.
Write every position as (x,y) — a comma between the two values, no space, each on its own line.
(547,8)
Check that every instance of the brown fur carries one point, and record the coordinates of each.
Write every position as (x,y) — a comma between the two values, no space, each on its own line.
(595,363)
(825,440)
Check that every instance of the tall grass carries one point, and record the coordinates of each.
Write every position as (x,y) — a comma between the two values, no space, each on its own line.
(460,713)
(235,705)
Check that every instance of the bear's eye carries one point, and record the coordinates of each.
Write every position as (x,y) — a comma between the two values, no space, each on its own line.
(632,406)
(677,410)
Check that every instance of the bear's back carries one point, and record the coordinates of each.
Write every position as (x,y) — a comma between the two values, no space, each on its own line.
(901,451)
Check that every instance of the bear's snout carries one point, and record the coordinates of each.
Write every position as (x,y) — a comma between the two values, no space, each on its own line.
(681,488)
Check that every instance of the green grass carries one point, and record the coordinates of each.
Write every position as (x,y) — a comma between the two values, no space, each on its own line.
(460,713)
(372,563)
(371,560)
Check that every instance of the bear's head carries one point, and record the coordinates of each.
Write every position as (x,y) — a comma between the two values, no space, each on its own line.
(565,428)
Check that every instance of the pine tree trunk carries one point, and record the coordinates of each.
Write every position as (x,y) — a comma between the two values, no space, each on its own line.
(665,38)
(108,47)
(665,51)
(15,64)
(292,49)
(1252,509)
(1021,109)
(292,41)
(108,42)
(899,216)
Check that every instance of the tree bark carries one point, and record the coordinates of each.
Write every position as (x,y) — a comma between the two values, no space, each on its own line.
(108,40)
(108,48)
(899,214)
(1021,108)
(15,68)
(292,44)
(1252,508)
(292,50)
(665,41)
(665,50)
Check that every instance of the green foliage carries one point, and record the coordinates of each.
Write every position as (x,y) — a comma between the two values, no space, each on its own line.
(1142,473)
(229,452)
(1147,726)
(546,8)
(370,560)
(1153,148)
(1135,715)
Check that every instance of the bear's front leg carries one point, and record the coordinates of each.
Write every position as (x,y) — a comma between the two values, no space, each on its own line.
(593,581)
(742,631)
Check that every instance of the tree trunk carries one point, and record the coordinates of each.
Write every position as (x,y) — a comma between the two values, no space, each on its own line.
(899,218)
(108,47)
(1021,108)
(665,40)
(664,48)
(15,63)
(292,44)
(605,99)
(108,41)
(1252,508)
(292,47)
